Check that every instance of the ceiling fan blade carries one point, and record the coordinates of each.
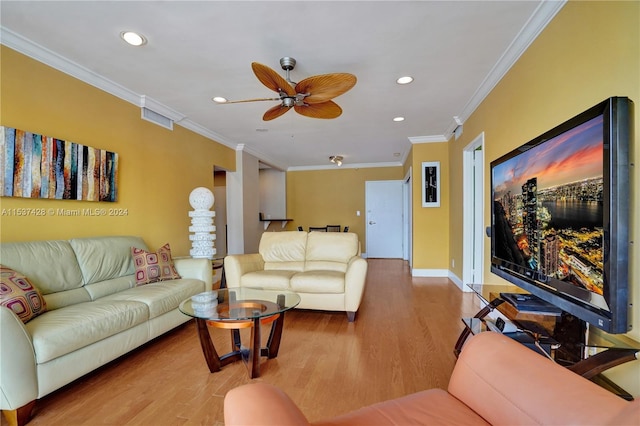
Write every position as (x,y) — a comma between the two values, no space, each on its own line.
(328,109)
(275,112)
(272,79)
(325,87)
(250,100)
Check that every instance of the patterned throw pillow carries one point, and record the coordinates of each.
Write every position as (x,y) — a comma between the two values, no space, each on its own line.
(154,267)
(19,295)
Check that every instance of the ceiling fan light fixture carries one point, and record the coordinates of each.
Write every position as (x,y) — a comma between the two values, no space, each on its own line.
(405,79)
(133,38)
(336,159)
(219,99)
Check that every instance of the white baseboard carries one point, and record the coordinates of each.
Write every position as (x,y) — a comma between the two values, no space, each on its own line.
(430,273)
(458,282)
(440,273)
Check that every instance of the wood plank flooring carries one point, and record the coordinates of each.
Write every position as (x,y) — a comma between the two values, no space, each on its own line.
(401,342)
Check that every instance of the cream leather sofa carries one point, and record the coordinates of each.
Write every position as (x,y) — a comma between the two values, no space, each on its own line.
(496,381)
(95,313)
(324,268)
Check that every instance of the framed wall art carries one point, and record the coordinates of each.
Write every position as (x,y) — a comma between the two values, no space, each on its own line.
(431,184)
(38,166)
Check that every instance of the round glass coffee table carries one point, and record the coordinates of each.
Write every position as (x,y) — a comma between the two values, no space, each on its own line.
(234,309)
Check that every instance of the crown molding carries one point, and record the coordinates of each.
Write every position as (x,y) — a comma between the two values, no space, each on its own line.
(428,139)
(261,156)
(41,54)
(203,131)
(540,18)
(344,166)
(54,60)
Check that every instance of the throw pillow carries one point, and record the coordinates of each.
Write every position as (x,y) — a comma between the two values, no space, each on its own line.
(154,267)
(19,295)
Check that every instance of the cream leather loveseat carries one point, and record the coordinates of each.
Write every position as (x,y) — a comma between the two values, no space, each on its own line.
(94,313)
(324,268)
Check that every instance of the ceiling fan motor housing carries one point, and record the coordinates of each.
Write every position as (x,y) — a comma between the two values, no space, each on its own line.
(287,63)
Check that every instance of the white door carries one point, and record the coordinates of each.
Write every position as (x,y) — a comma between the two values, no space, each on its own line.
(384,208)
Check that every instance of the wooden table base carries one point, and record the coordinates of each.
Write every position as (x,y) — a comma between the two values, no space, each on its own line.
(250,356)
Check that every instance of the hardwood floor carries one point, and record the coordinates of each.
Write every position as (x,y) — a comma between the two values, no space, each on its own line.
(401,342)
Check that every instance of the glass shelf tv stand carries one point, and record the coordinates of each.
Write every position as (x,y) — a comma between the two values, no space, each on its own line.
(561,336)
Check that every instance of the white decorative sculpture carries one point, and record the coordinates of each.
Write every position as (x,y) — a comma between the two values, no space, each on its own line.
(202,199)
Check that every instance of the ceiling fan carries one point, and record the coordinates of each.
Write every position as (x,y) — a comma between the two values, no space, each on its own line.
(311,97)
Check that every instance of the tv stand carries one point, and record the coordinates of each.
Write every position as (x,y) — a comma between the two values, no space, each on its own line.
(558,335)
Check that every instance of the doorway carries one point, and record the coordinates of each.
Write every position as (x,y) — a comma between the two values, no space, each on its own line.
(473,213)
(220,207)
(384,206)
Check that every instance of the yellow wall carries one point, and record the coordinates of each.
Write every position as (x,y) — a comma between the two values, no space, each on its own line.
(589,52)
(332,197)
(430,224)
(158,168)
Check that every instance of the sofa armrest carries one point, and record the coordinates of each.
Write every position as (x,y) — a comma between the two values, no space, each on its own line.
(18,376)
(195,268)
(505,382)
(268,406)
(354,281)
(236,265)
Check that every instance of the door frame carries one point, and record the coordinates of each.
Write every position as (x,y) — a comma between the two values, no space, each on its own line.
(407,241)
(473,212)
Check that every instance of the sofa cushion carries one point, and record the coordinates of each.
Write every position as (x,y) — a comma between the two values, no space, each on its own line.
(59,332)
(160,297)
(107,287)
(286,246)
(272,279)
(430,407)
(19,295)
(153,267)
(56,269)
(330,251)
(103,258)
(318,282)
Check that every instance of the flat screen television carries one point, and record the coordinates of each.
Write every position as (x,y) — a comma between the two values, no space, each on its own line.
(560,215)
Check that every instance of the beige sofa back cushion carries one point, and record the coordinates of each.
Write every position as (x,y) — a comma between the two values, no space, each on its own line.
(283,250)
(104,258)
(330,250)
(56,268)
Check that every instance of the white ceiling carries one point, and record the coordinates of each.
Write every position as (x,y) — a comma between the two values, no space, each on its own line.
(455,50)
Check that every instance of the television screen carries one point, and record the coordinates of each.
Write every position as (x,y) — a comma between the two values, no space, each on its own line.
(560,215)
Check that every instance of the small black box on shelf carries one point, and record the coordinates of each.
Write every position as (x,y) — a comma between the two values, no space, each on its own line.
(530,303)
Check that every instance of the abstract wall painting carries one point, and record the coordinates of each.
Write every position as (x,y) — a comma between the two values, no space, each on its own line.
(38,166)
(431,184)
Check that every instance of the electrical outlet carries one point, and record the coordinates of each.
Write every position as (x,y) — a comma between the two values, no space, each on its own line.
(453,263)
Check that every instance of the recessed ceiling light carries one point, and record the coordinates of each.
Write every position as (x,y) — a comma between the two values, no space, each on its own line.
(398,119)
(404,80)
(219,99)
(133,38)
